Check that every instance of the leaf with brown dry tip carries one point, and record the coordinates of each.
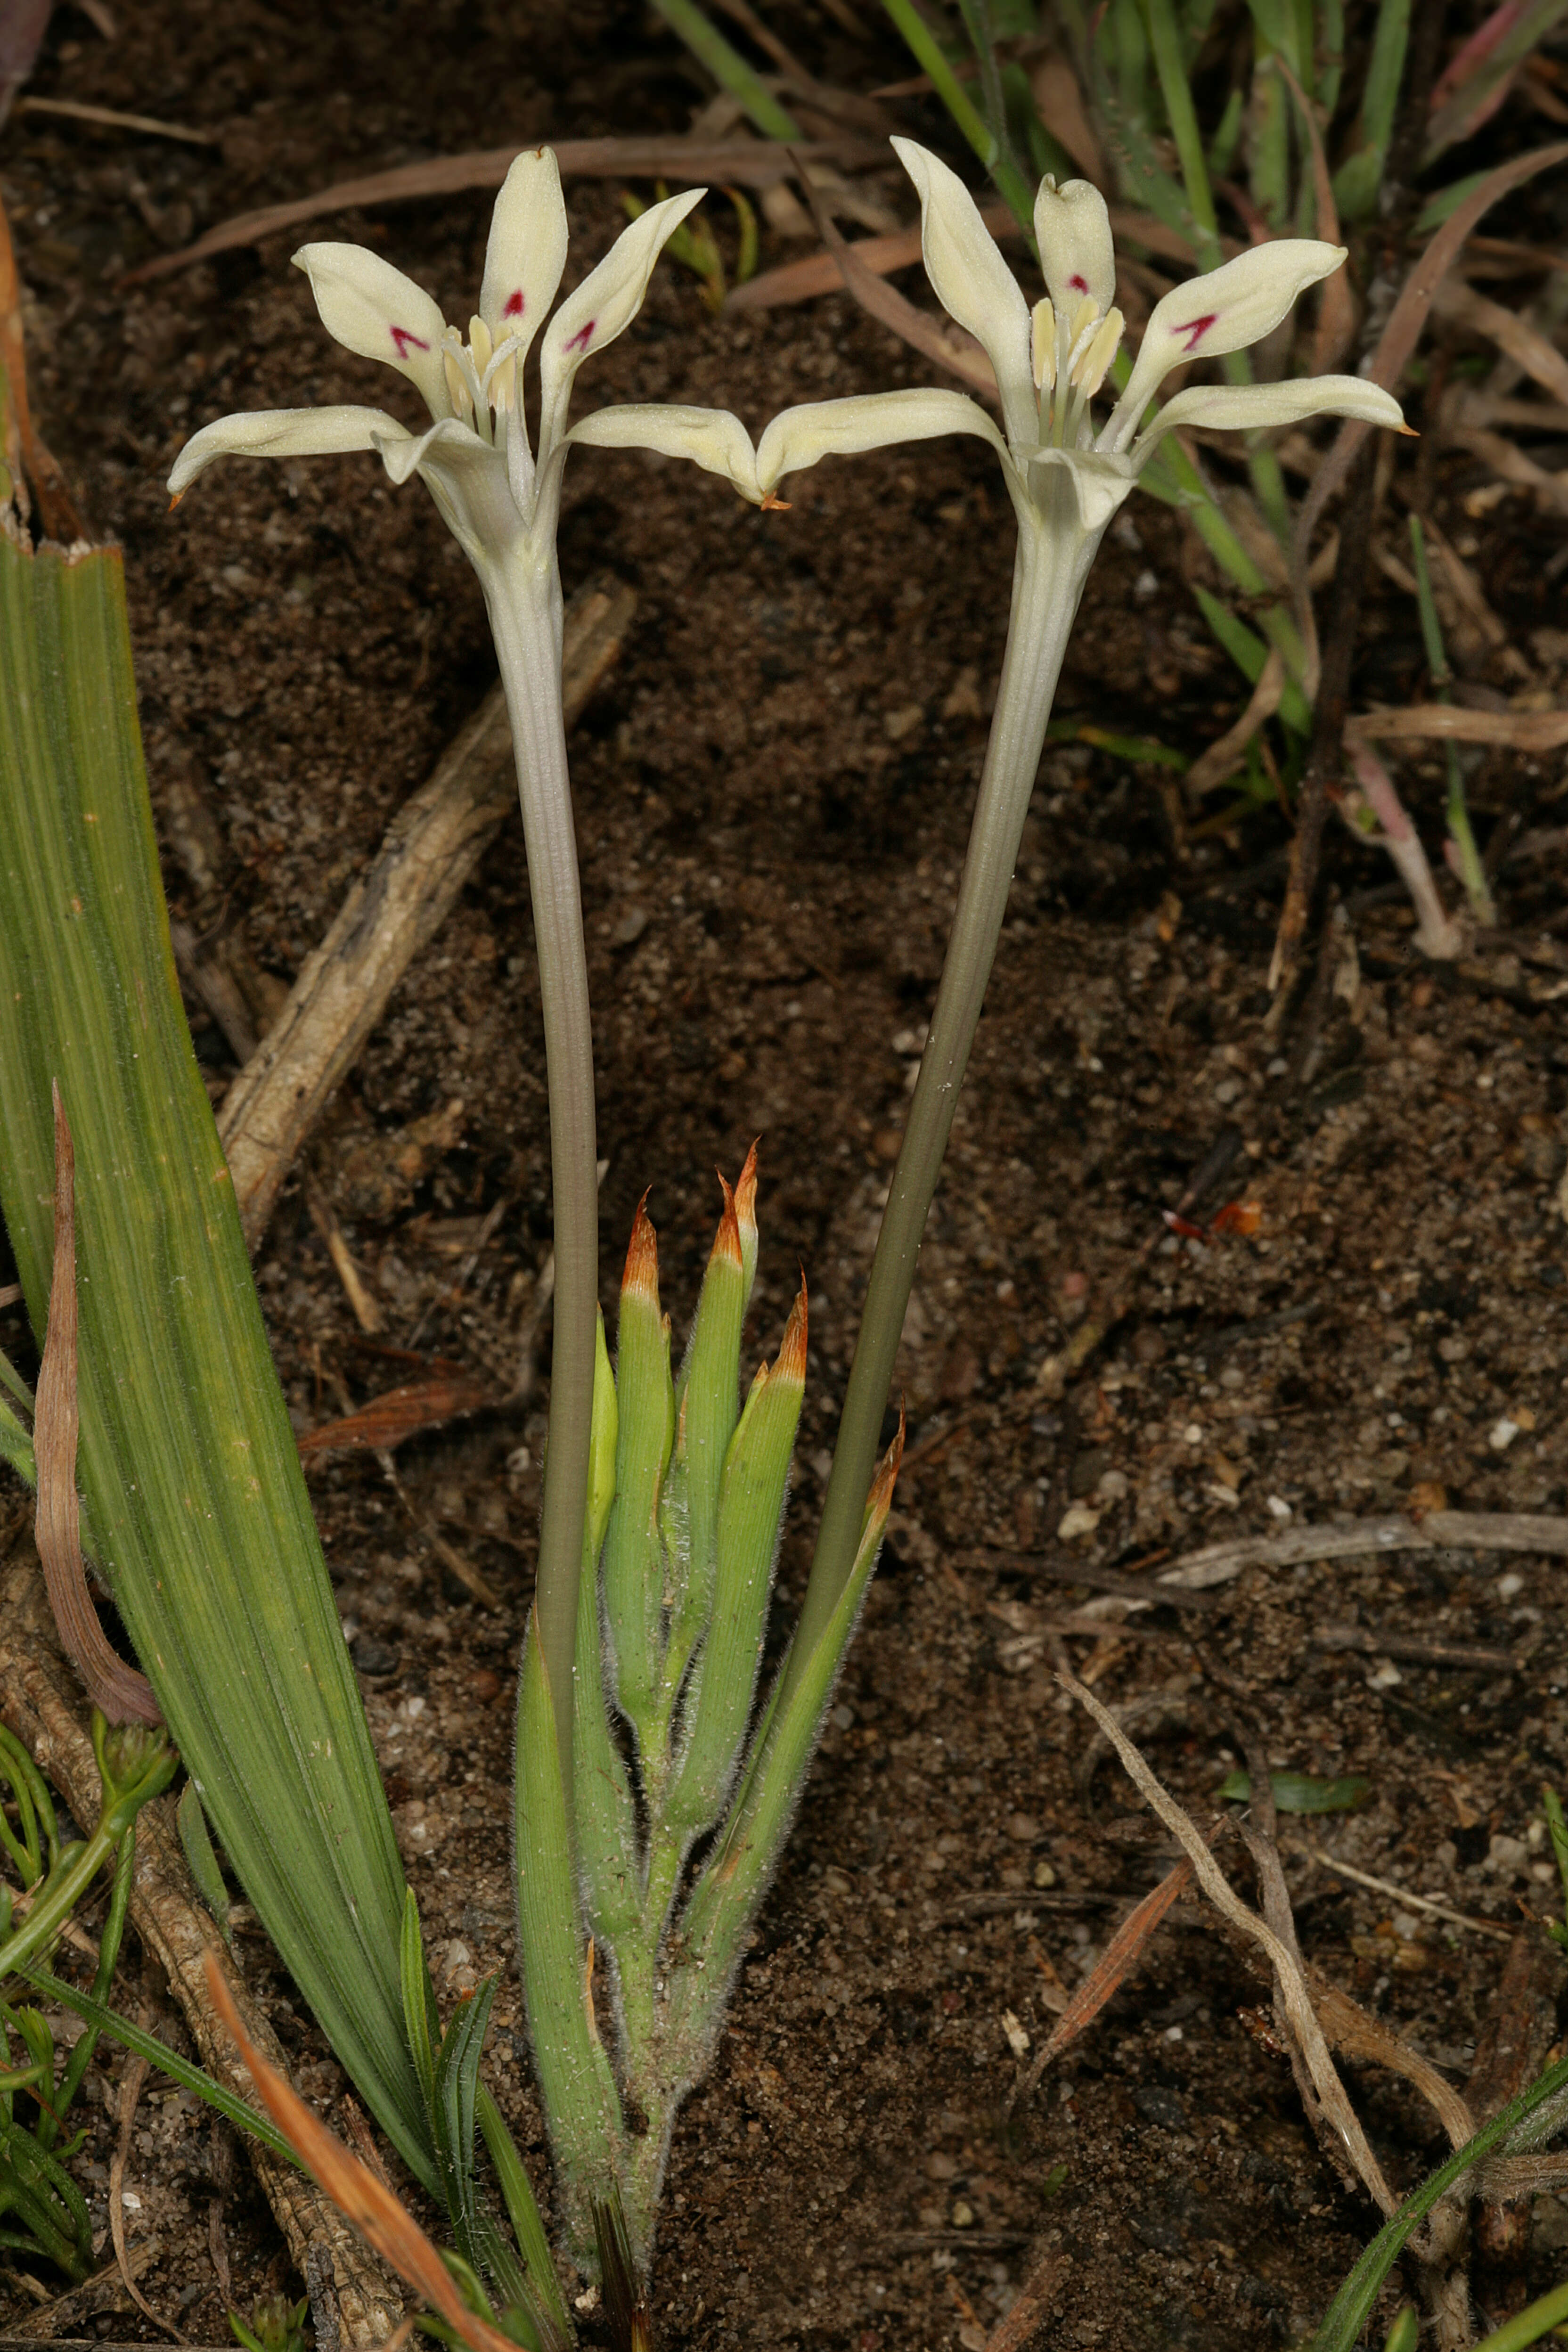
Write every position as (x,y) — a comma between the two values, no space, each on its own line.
(375,2212)
(124,1696)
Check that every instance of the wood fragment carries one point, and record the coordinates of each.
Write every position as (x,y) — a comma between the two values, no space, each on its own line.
(1420,1649)
(366,1312)
(61,2318)
(1518,1531)
(1065,1571)
(430,850)
(42,1705)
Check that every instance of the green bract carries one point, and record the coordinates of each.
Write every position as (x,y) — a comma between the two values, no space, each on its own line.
(686,1497)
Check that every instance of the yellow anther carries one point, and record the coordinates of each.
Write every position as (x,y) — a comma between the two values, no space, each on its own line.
(480,345)
(462,404)
(1044,342)
(1090,371)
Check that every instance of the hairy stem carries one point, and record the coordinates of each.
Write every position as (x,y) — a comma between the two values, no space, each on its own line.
(524,602)
(1052,563)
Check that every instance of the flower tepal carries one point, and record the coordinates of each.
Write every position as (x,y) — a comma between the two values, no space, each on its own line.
(493,486)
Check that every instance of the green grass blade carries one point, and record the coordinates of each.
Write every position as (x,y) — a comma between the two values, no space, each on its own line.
(1356,181)
(728,67)
(522,2209)
(157,2053)
(929,55)
(200,1517)
(1249,653)
(1352,2306)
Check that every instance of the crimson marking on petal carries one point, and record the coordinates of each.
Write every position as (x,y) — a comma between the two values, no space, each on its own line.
(1079,285)
(404,339)
(582,338)
(513,305)
(1195,329)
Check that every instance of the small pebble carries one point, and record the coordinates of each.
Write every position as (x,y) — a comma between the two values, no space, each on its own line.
(485,1684)
(630,928)
(1044,1875)
(1503,1435)
(1510,1586)
(1078,1521)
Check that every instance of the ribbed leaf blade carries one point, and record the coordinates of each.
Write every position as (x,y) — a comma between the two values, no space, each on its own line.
(198,1509)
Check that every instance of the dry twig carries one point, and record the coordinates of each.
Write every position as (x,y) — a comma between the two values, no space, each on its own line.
(432,847)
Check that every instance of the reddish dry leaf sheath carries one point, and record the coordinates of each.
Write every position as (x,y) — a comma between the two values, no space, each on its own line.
(640,1279)
(387,1420)
(727,1240)
(790,1363)
(746,1197)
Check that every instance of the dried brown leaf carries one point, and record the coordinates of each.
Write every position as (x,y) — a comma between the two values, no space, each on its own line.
(751,162)
(1408,317)
(387,1420)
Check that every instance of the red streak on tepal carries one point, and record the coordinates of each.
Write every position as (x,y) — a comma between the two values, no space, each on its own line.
(513,305)
(584,336)
(1079,285)
(1195,329)
(405,340)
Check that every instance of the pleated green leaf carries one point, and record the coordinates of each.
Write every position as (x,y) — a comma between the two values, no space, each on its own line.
(199,1513)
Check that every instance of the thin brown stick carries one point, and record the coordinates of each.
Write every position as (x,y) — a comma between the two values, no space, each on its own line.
(1524,1531)
(751,162)
(1420,1649)
(1227,1902)
(431,848)
(1518,731)
(1032,2308)
(124,1696)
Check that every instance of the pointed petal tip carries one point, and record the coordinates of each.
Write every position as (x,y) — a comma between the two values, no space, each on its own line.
(640,1279)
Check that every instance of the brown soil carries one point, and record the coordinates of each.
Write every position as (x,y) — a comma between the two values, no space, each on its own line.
(774,791)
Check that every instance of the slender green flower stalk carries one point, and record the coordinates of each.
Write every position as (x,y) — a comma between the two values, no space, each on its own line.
(1067,480)
(500,498)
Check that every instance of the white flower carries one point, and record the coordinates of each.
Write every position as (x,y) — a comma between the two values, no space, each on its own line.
(1050,363)
(498,494)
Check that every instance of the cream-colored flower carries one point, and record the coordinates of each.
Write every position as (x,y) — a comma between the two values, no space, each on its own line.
(496,491)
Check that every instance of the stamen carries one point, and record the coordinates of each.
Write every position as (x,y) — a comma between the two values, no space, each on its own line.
(461,404)
(1091,369)
(1044,339)
(480,343)
(499,382)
